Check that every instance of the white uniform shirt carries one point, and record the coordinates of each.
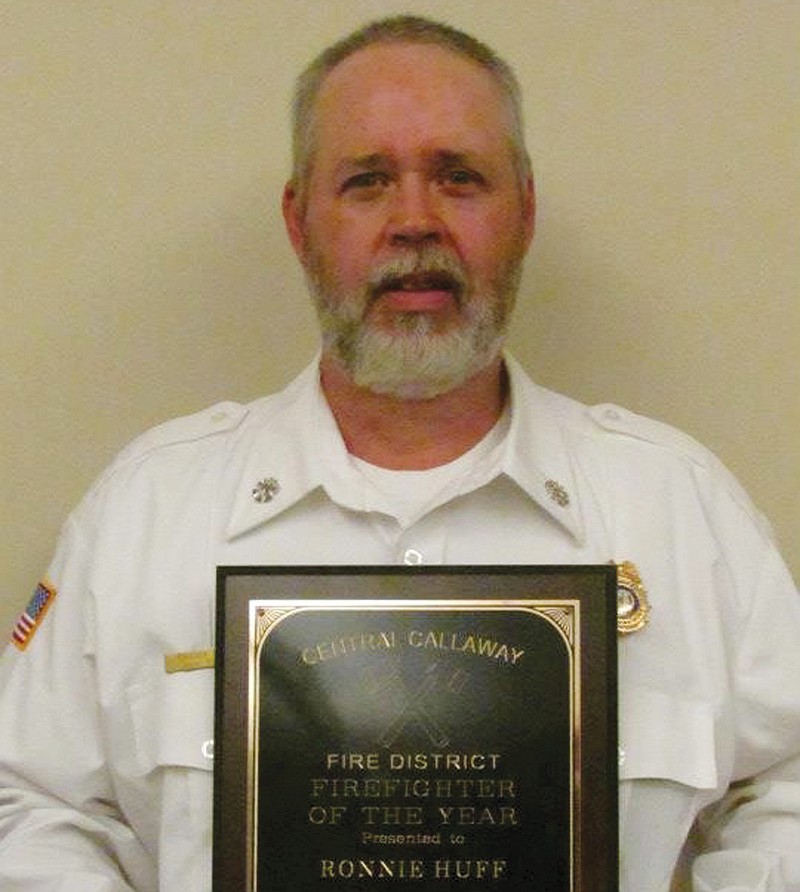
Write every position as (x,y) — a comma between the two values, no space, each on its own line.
(105,759)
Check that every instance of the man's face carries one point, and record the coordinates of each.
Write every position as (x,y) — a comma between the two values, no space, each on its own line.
(413,221)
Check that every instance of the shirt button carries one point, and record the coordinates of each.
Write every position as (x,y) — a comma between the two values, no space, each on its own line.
(207,749)
(412,557)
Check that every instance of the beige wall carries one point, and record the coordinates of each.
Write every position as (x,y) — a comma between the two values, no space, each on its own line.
(145,271)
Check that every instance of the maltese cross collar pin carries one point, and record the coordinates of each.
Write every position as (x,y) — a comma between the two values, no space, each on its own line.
(266,489)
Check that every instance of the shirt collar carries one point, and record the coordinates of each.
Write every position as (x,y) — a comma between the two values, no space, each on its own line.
(282,450)
(537,456)
(292,446)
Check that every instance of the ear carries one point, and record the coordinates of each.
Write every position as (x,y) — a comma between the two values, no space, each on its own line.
(293,219)
(529,208)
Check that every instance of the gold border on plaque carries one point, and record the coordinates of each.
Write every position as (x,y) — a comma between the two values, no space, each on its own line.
(265,615)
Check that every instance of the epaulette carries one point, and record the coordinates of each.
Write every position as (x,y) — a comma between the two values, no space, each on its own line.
(216,419)
(622,421)
(220,418)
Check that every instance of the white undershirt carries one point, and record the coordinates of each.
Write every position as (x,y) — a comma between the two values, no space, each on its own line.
(407,495)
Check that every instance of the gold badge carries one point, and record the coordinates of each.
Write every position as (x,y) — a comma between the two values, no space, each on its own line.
(633,608)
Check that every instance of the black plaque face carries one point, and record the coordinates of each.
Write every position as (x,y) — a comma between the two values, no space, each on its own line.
(415,729)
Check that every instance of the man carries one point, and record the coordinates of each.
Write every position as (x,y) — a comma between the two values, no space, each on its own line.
(413,439)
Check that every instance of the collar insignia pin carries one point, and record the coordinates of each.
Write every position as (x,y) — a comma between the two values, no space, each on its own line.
(557,493)
(633,608)
(266,489)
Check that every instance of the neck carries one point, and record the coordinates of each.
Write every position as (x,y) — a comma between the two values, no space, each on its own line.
(414,434)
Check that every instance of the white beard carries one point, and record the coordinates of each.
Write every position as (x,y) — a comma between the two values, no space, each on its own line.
(413,361)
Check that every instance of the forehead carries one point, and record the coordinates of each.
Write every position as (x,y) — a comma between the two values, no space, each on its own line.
(399,95)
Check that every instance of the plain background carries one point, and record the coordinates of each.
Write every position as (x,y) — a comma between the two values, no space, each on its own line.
(146,274)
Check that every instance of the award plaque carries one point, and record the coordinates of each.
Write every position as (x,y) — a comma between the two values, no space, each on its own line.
(420,728)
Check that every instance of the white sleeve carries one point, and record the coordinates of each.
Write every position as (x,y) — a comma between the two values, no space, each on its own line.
(755,828)
(60,827)
(736,871)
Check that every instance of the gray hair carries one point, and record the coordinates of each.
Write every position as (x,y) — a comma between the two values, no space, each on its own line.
(400,29)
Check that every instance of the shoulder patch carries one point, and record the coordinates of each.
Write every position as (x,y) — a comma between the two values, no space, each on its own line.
(31,617)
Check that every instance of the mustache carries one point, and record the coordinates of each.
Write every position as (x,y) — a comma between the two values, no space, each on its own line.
(426,268)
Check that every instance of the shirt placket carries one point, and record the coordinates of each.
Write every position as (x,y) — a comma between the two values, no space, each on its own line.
(423,542)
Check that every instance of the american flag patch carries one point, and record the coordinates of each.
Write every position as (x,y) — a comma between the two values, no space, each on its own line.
(31,617)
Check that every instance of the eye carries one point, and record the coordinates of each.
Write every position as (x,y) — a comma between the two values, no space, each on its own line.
(460,176)
(461,180)
(367,184)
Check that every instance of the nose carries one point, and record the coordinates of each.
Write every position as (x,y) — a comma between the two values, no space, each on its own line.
(414,217)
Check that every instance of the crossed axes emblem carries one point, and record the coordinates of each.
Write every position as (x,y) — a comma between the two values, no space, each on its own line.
(409,703)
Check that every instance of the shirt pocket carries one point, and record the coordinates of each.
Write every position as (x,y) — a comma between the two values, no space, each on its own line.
(172,716)
(667,771)
(667,737)
(173,720)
